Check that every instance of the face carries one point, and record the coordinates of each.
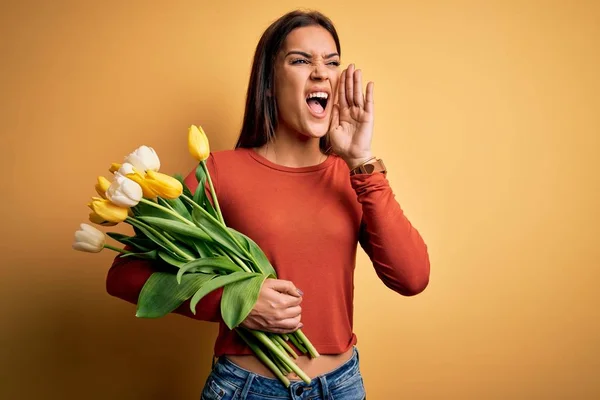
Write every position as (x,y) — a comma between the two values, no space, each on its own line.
(306,75)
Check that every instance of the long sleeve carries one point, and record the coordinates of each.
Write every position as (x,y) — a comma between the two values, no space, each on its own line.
(396,249)
(127,276)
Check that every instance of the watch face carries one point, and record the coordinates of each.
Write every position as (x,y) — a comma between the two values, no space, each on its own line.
(369,168)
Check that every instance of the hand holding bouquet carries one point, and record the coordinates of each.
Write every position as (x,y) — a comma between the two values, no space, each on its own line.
(187,232)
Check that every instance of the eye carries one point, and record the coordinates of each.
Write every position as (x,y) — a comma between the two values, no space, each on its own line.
(334,63)
(299,61)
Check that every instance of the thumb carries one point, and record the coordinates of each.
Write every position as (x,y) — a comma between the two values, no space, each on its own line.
(286,287)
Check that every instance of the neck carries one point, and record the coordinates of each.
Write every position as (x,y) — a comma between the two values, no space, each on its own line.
(293,151)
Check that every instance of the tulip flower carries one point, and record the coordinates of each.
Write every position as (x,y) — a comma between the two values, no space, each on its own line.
(198,145)
(114,167)
(92,240)
(163,185)
(199,148)
(108,211)
(124,169)
(98,220)
(102,186)
(124,192)
(89,239)
(144,159)
(127,170)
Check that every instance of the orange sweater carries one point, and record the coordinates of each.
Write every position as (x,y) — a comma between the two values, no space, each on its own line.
(308,221)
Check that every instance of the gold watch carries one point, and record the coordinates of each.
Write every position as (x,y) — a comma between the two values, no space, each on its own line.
(370,167)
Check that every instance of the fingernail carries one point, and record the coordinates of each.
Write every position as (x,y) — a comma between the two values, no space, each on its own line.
(301,325)
(300,292)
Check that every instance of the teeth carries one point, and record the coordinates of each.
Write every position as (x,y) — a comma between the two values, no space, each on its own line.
(321,95)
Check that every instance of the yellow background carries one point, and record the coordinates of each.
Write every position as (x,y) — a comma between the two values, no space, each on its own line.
(487,116)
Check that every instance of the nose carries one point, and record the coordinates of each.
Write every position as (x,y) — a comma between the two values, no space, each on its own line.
(319,72)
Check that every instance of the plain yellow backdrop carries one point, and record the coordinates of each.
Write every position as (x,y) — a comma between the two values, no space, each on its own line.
(487,116)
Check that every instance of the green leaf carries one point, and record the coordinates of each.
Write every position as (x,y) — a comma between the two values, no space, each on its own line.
(162,294)
(216,283)
(186,189)
(218,233)
(146,210)
(209,207)
(213,265)
(200,194)
(150,233)
(177,205)
(148,255)
(186,192)
(258,255)
(139,243)
(239,299)
(190,244)
(172,259)
(203,249)
(177,227)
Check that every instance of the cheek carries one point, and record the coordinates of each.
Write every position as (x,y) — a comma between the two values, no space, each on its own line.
(335,80)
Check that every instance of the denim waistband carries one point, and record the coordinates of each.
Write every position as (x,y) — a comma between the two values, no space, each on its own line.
(320,386)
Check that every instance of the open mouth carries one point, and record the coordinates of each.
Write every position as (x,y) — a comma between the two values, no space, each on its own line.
(317,101)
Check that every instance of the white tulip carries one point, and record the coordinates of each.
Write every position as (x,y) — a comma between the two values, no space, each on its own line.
(124,192)
(126,168)
(89,239)
(144,158)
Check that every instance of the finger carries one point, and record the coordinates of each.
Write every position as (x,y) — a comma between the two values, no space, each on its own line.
(335,118)
(287,287)
(278,330)
(289,324)
(358,95)
(290,301)
(350,85)
(370,101)
(342,90)
(291,312)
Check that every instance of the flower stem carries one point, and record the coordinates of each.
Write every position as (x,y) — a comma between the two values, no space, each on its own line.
(167,210)
(212,192)
(108,246)
(284,368)
(225,230)
(309,346)
(297,343)
(165,243)
(235,259)
(264,339)
(264,358)
(284,345)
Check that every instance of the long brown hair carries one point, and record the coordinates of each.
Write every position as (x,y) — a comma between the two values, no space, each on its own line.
(260,115)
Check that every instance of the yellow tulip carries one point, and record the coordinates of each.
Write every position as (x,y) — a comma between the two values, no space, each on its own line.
(163,185)
(140,180)
(108,211)
(114,167)
(96,219)
(198,145)
(102,186)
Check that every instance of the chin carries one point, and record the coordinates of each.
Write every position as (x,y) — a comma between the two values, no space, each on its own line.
(316,131)
(315,128)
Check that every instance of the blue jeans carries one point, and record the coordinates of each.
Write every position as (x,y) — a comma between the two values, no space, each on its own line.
(227,381)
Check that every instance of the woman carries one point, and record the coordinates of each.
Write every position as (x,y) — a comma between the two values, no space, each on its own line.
(304,184)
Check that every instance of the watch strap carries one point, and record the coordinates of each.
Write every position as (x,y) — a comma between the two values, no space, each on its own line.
(372,166)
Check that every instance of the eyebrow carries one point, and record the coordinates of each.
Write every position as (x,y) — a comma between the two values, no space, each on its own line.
(302,53)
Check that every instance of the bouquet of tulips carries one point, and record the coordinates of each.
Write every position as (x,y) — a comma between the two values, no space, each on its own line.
(187,232)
